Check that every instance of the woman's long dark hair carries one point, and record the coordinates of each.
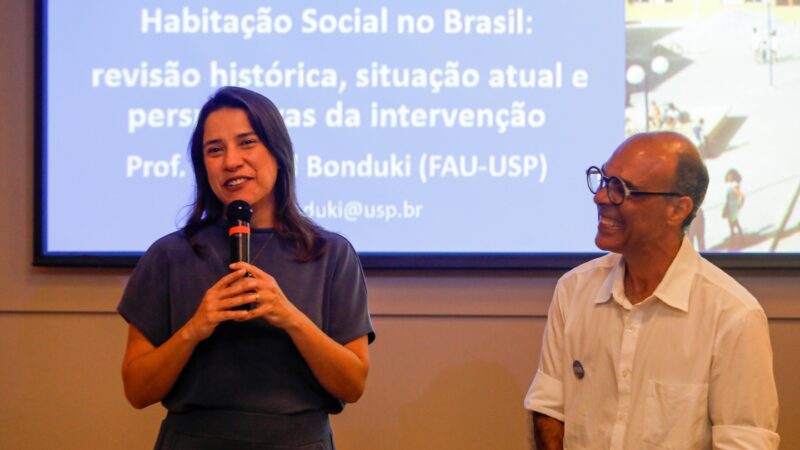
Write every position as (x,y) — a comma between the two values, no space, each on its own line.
(291,224)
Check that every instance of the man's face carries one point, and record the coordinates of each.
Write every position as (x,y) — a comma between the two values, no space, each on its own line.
(639,223)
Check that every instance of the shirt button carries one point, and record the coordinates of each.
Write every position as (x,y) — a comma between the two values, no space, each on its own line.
(621,416)
(626,373)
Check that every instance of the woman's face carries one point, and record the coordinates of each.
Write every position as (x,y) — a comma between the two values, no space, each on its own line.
(239,165)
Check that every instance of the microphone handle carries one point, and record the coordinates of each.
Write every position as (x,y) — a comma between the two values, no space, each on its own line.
(240,244)
(240,251)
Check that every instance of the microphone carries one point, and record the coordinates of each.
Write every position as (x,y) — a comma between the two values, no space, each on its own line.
(239,214)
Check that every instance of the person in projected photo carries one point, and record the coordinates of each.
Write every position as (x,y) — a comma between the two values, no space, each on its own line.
(734,200)
(652,346)
(267,377)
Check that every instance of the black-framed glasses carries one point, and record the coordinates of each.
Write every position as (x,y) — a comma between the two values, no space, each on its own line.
(616,188)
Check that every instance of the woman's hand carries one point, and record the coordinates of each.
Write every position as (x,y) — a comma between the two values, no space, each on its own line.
(218,303)
(270,301)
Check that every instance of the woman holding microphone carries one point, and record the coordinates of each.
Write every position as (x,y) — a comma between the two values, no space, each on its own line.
(269,375)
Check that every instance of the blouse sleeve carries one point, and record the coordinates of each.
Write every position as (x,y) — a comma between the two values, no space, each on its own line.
(145,301)
(347,315)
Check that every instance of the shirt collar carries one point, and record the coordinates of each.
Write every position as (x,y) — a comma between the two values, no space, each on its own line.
(674,288)
(605,293)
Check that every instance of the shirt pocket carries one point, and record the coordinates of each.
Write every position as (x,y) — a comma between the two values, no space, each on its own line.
(676,415)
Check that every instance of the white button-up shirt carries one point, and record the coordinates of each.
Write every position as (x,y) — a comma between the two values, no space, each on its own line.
(690,367)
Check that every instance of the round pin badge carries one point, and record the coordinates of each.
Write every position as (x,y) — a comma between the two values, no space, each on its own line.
(577,369)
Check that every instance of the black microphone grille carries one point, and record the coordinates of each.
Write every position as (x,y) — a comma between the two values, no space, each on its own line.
(239,210)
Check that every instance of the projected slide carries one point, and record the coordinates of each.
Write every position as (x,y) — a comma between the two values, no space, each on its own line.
(436,127)
(418,126)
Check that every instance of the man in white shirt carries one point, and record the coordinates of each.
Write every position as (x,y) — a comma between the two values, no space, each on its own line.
(652,346)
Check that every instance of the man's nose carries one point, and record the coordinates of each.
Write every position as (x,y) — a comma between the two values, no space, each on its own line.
(601,197)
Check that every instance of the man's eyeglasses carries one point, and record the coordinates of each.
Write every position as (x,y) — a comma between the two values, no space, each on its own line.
(616,188)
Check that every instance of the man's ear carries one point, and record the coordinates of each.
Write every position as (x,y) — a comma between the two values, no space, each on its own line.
(680,209)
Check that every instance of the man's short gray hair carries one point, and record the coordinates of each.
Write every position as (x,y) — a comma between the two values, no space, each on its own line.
(691,179)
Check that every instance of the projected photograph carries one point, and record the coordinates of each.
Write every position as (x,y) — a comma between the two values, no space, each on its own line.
(421,128)
(726,74)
